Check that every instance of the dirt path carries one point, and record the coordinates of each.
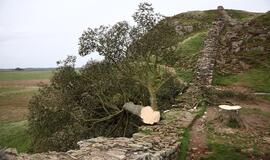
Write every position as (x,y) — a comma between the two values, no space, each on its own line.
(197,143)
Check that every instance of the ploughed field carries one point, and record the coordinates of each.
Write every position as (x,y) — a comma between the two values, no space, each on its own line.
(16,89)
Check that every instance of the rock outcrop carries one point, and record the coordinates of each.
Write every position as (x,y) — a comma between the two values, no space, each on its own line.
(244,44)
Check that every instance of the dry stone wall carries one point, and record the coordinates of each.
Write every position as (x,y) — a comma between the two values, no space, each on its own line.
(157,142)
(206,62)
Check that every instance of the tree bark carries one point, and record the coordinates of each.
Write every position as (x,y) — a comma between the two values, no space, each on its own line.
(132,108)
(153,99)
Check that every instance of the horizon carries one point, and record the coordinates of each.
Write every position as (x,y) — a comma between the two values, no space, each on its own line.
(36,34)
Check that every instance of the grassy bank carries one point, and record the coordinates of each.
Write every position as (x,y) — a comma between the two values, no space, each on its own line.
(256,79)
(14,135)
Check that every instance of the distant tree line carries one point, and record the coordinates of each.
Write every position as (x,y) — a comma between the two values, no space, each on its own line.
(18,69)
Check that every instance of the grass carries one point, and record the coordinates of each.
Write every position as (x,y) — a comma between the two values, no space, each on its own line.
(192,45)
(146,131)
(257,79)
(24,75)
(264,19)
(196,17)
(14,98)
(184,145)
(255,111)
(224,152)
(201,111)
(16,89)
(240,15)
(14,135)
(14,105)
(186,53)
(8,89)
(186,75)
(266,98)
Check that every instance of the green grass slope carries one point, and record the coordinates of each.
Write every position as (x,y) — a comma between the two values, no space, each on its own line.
(257,79)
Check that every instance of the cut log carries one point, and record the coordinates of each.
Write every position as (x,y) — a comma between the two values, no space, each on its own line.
(147,114)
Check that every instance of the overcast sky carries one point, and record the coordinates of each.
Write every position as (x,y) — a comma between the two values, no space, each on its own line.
(37,33)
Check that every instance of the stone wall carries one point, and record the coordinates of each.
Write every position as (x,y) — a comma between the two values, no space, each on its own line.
(206,62)
(157,142)
(194,95)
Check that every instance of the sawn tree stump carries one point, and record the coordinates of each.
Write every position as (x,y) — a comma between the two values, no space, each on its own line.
(230,115)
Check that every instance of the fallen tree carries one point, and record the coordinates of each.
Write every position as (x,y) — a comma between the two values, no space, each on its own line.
(92,102)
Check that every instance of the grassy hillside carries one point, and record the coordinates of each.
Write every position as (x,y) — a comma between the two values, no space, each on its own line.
(257,79)
(250,67)
(191,45)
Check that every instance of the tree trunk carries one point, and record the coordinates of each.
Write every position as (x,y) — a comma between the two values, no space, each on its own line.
(153,99)
(132,108)
(147,114)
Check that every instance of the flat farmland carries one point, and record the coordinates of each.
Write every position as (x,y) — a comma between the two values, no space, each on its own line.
(25,75)
(16,89)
